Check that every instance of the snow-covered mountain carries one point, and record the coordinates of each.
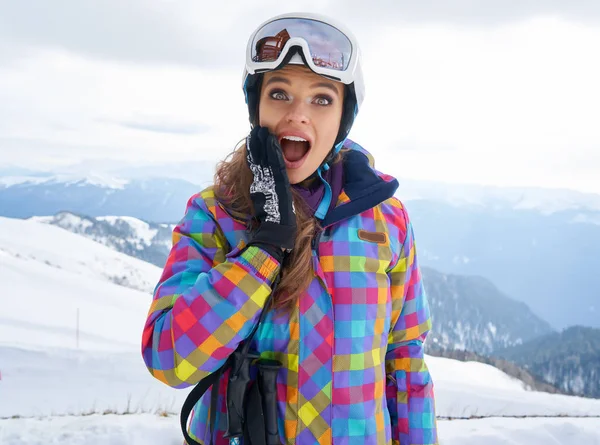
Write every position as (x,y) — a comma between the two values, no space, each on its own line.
(150,242)
(47,179)
(569,360)
(470,313)
(486,232)
(548,262)
(466,230)
(181,178)
(159,200)
(48,273)
(544,200)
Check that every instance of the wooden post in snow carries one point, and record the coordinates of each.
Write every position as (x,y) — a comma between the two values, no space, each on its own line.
(77,331)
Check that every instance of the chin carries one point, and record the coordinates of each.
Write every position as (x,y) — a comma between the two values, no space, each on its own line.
(298,175)
(296,178)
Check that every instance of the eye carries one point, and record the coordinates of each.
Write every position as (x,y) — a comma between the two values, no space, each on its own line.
(277,95)
(323,101)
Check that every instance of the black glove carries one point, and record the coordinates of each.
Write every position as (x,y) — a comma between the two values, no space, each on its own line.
(271,194)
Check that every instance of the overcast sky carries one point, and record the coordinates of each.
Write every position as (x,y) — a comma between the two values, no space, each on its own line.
(494,92)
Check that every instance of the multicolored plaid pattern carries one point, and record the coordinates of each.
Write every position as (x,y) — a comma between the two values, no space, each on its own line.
(352,349)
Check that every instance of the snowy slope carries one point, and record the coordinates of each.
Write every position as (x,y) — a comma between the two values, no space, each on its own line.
(54,381)
(45,244)
(97,380)
(49,276)
(146,429)
(465,389)
(40,309)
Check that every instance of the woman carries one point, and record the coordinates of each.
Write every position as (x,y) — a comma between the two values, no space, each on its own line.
(298,210)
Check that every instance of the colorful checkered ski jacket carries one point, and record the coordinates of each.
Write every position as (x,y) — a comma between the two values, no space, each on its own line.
(352,349)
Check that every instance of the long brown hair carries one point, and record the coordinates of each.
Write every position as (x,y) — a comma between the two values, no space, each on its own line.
(232,189)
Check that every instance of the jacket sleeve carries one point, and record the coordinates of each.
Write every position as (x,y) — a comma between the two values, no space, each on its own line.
(206,301)
(409,387)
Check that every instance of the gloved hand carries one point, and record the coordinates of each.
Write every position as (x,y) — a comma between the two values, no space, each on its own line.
(271,194)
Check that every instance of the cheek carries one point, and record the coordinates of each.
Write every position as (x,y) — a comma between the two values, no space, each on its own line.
(264,114)
(268,115)
(327,130)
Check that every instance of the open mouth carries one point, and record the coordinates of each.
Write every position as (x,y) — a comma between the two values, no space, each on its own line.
(295,150)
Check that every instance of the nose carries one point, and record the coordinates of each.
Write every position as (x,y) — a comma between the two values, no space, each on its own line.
(297,113)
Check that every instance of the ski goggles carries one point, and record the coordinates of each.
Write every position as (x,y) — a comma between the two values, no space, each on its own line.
(327,49)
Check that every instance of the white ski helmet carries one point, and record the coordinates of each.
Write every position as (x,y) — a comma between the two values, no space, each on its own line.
(326,47)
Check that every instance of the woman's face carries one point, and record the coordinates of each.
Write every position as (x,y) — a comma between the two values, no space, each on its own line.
(304,111)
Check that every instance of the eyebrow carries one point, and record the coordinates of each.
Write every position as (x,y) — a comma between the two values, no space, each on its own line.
(281,79)
(325,85)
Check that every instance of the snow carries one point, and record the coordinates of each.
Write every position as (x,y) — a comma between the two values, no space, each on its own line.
(37,243)
(466,390)
(147,429)
(61,385)
(65,220)
(141,228)
(9,181)
(94,179)
(144,429)
(531,431)
(586,219)
(52,381)
(101,180)
(142,234)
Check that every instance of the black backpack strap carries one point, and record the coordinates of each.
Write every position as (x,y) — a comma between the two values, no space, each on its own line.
(254,427)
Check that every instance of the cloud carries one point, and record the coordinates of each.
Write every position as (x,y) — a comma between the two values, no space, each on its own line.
(513,103)
(161,125)
(214,34)
(133,30)
(470,12)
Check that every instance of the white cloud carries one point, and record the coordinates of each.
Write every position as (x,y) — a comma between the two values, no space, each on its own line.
(514,103)
(87,106)
(511,104)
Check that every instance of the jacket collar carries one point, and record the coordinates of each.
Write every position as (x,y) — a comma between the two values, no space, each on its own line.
(364,187)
